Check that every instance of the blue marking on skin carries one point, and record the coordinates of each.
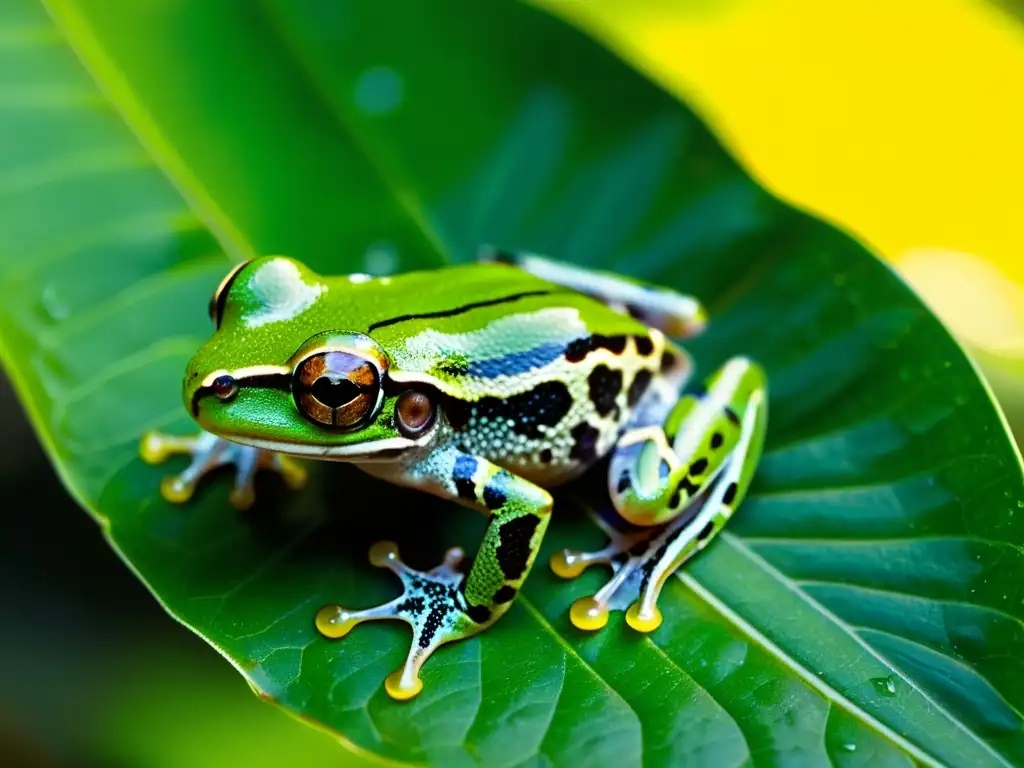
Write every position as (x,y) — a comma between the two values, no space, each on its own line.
(464,467)
(462,474)
(517,362)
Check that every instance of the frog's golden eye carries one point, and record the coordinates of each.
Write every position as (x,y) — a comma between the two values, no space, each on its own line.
(220,296)
(415,413)
(336,389)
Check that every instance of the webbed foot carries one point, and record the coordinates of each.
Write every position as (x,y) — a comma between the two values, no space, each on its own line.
(634,558)
(431,603)
(210,452)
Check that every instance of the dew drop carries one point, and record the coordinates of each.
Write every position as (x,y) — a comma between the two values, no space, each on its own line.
(378,91)
(52,304)
(885,685)
(850,747)
(380,259)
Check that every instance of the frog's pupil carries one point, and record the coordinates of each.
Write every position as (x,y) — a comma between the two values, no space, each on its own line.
(334,392)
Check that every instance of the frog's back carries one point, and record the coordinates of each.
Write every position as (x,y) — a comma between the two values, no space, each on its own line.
(469,297)
(537,377)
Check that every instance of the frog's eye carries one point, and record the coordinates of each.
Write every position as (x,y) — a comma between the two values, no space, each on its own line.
(220,296)
(336,389)
(415,413)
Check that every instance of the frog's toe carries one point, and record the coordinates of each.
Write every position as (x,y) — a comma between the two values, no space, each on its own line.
(570,563)
(177,489)
(248,461)
(242,498)
(431,603)
(155,447)
(643,617)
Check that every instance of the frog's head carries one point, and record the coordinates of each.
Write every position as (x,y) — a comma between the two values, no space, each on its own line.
(263,380)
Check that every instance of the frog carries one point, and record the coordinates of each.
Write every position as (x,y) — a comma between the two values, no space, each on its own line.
(489,383)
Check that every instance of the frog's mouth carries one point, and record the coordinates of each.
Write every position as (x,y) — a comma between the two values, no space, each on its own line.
(384,450)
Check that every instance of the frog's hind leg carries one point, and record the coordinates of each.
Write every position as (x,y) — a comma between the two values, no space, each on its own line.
(676,486)
(444,604)
(674,314)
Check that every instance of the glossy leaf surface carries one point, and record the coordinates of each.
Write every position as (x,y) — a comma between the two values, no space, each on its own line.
(866,605)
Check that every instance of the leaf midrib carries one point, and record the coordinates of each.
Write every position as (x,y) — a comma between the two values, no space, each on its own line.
(114,86)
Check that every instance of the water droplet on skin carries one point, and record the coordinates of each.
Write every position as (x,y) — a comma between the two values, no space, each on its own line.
(378,91)
(885,685)
(850,747)
(52,305)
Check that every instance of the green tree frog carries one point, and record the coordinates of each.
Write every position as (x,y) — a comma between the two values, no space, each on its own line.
(486,383)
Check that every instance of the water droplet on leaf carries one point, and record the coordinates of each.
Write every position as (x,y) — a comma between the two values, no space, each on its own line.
(52,304)
(378,91)
(885,685)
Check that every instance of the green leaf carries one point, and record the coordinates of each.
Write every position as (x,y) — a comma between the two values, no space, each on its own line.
(866,605)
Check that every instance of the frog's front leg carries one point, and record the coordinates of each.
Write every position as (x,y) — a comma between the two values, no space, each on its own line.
(210,452)
(676,485)
(443,604)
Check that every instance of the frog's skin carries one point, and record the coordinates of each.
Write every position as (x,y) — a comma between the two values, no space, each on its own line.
(485,383)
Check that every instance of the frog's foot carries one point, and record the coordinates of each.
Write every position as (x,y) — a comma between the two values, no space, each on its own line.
(640,563)
(431,603)
(625,554)
(210,452)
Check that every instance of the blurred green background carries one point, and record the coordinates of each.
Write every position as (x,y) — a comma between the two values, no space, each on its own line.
(900,121)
